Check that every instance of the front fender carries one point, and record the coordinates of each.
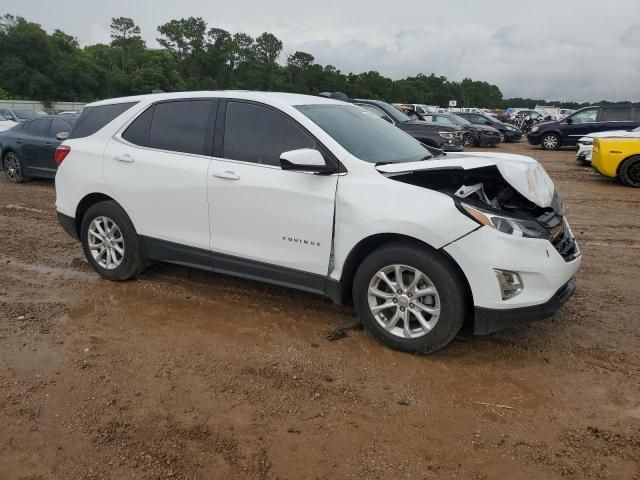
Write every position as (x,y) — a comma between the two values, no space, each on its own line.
(374,204)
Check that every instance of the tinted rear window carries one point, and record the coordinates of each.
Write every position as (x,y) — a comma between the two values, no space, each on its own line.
(612,114)
(138,132)
(181,126)
(94,118)
(39,128)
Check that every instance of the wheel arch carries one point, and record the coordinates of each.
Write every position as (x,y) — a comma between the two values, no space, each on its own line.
(87,202)
(629,158)
(367,245)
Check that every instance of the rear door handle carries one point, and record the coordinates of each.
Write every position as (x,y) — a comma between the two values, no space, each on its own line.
(227,175)
(18,141)
(125,157)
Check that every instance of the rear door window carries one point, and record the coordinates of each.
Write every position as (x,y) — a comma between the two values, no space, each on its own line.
(94,118)
(258,134)
(181,126)
(39,128)
(615,114)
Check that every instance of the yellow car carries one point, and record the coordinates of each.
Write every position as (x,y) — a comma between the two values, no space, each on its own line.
(618,158)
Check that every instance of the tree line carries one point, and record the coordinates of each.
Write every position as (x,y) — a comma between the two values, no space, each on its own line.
(36,65)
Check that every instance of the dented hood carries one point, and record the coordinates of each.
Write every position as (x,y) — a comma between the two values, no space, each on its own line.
(524,174)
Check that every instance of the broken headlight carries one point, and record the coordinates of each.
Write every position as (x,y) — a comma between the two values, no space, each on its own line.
(509,225)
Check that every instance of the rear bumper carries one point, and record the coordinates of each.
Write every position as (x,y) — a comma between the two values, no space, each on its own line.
(489,320)
(68,224)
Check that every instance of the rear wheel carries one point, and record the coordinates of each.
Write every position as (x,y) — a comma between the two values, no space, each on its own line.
(550,141)
(410,298)
(630,172)
(13,168)
(110,242)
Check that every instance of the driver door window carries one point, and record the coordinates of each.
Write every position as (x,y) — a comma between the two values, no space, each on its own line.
(258,134)
(586,116)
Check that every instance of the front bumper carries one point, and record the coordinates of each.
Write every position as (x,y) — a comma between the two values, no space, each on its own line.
(488,140)
(534,138)
(513,136)
(489,320)
(585,152)
(452,147)
(544,269)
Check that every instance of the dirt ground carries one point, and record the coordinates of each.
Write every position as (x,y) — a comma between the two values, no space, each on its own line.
(189,375)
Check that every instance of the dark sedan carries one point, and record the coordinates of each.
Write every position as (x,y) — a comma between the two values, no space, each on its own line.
(445,137)
(28,149)
(472,135)
(508,133)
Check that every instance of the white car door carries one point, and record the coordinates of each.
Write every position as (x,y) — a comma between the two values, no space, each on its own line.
(259,212)
(157,170)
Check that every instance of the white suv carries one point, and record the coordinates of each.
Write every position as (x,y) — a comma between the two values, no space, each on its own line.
(322,196)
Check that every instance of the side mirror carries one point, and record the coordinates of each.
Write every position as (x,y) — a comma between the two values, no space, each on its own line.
(305,160)
(62,136)
(487,122)
(568,121)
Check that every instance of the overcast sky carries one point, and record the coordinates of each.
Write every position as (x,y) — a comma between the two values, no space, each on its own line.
(556,49)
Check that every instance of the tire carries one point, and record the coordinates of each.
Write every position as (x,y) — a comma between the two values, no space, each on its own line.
(13,168)
(468,140)
(630,172)
(550,141)
(439,274)
(503,137)
(113,264)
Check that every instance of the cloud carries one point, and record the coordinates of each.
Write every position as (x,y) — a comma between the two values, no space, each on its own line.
(583,51)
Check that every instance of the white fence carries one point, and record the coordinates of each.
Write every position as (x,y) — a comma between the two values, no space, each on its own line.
(57,107)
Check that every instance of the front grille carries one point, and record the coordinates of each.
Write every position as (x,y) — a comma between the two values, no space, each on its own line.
(561,237)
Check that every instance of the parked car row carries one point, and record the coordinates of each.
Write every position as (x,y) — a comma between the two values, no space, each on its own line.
(566,132)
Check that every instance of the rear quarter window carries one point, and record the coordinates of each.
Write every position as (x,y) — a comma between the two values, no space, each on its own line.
(616,114)
(94,118)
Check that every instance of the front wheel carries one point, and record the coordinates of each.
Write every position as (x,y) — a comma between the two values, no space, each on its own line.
(630,172)
(467,140)
(111,243)
(550,141)
(410,298)
(503,138)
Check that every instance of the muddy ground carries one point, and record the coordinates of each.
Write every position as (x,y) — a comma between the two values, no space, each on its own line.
(189,375)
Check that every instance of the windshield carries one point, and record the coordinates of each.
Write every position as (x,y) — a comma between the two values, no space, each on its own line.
(365,135)
(27,113)
(460,120)
(490,118)
(390,110)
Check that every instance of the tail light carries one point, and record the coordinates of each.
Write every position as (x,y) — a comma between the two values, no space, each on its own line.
(61,153)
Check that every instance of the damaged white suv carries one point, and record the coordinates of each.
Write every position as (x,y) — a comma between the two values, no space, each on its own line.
(322,196)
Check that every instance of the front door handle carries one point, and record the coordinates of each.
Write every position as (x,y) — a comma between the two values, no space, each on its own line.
(125,157)
(227,175)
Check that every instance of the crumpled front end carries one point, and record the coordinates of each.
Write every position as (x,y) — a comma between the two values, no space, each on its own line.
(521,260)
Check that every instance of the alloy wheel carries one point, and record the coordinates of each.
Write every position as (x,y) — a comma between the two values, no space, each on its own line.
(12,167)
(106,243)
(550,142)
(502,137)
(467,140)
(404,301)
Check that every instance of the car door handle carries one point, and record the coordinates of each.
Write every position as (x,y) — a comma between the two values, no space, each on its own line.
(227,175)
(18,141)
(125,157)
